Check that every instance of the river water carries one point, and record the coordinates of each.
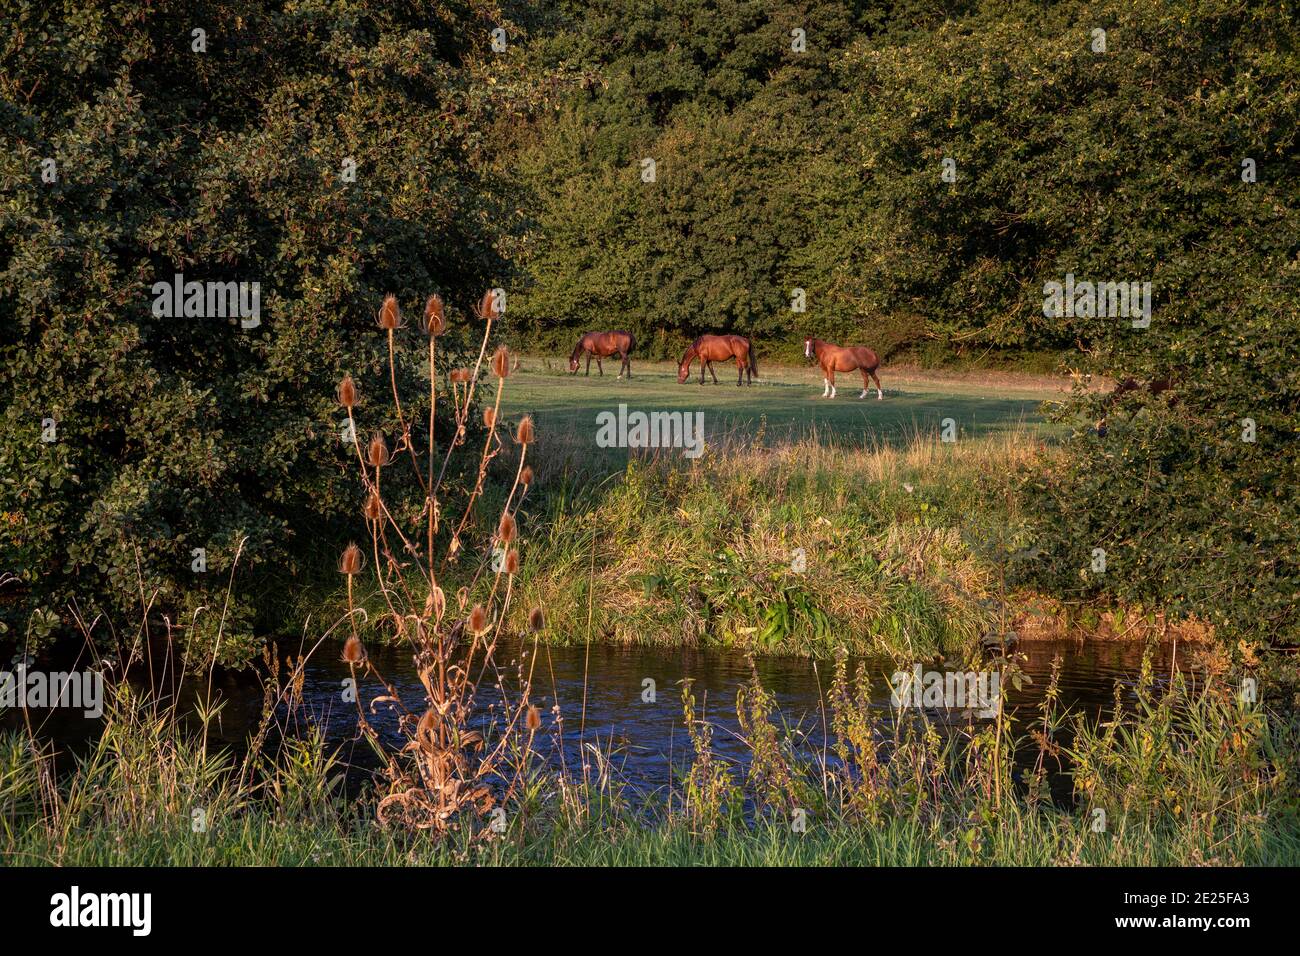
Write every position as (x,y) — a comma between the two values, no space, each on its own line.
(600,693)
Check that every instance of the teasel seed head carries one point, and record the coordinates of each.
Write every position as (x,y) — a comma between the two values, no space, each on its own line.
(354,652)
(352,560)
(378,451)
(374,508)
(506,529)
(534,719)
(501,362)
(348,392)
(478,620)
(460,375)
(462,598)
(435,316)
(526,476)
(490,417)
(512,562)
(526,434)
(487,307)
(536,620)
(390,316)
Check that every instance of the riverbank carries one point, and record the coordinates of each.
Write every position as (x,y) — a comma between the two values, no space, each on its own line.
(897,542)
(268,839)
(1193,776)
(913,548)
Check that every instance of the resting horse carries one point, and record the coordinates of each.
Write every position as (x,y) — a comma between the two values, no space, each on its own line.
(714,348)
(834,358)
(602,345)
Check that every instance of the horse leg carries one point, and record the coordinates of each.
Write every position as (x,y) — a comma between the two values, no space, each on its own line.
(740,373)
(623,365)
(588,372)
(879,393)
(826,382)
(600,367)
(830,378)
(864,383)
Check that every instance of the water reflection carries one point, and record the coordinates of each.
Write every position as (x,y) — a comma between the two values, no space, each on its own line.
(601,695)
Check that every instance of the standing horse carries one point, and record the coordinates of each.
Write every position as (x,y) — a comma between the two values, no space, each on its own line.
(714,348)
(603,345)
(834,358)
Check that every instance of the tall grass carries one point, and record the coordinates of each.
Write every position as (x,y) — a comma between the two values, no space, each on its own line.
(802,547)
(1188,774)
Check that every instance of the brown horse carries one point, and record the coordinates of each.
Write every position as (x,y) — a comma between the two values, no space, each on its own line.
(603,345)
(715,348)
(834,358)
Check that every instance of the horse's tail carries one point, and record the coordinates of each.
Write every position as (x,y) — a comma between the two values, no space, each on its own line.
(631,342)
(753,359)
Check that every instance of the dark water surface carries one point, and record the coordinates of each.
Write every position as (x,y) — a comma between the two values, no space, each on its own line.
(598,692)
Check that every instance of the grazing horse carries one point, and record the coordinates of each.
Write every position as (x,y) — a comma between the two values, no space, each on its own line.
(715,348)
(834,358)
(603,345)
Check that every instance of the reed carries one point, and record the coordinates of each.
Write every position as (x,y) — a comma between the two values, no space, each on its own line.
(1186,772)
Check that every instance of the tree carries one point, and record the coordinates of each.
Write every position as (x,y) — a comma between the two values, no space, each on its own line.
(326,153)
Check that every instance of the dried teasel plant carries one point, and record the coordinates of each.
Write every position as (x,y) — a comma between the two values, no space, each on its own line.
(458,759)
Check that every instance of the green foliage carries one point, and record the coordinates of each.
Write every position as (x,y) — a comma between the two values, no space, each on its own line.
(1194,777)
(774,170)
(1192,515)
(823,171)
(223,165)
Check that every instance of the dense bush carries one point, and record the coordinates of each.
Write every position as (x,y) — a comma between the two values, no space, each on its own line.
(224,164)
(1191,492)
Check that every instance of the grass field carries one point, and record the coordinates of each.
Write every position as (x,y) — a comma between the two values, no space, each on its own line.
(785,404)
(809,525)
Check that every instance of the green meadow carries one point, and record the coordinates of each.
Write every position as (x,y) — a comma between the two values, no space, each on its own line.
(785,404)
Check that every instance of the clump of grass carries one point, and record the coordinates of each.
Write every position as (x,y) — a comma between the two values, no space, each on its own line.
(796,548)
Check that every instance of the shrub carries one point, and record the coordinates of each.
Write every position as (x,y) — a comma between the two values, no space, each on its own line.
(229,164)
